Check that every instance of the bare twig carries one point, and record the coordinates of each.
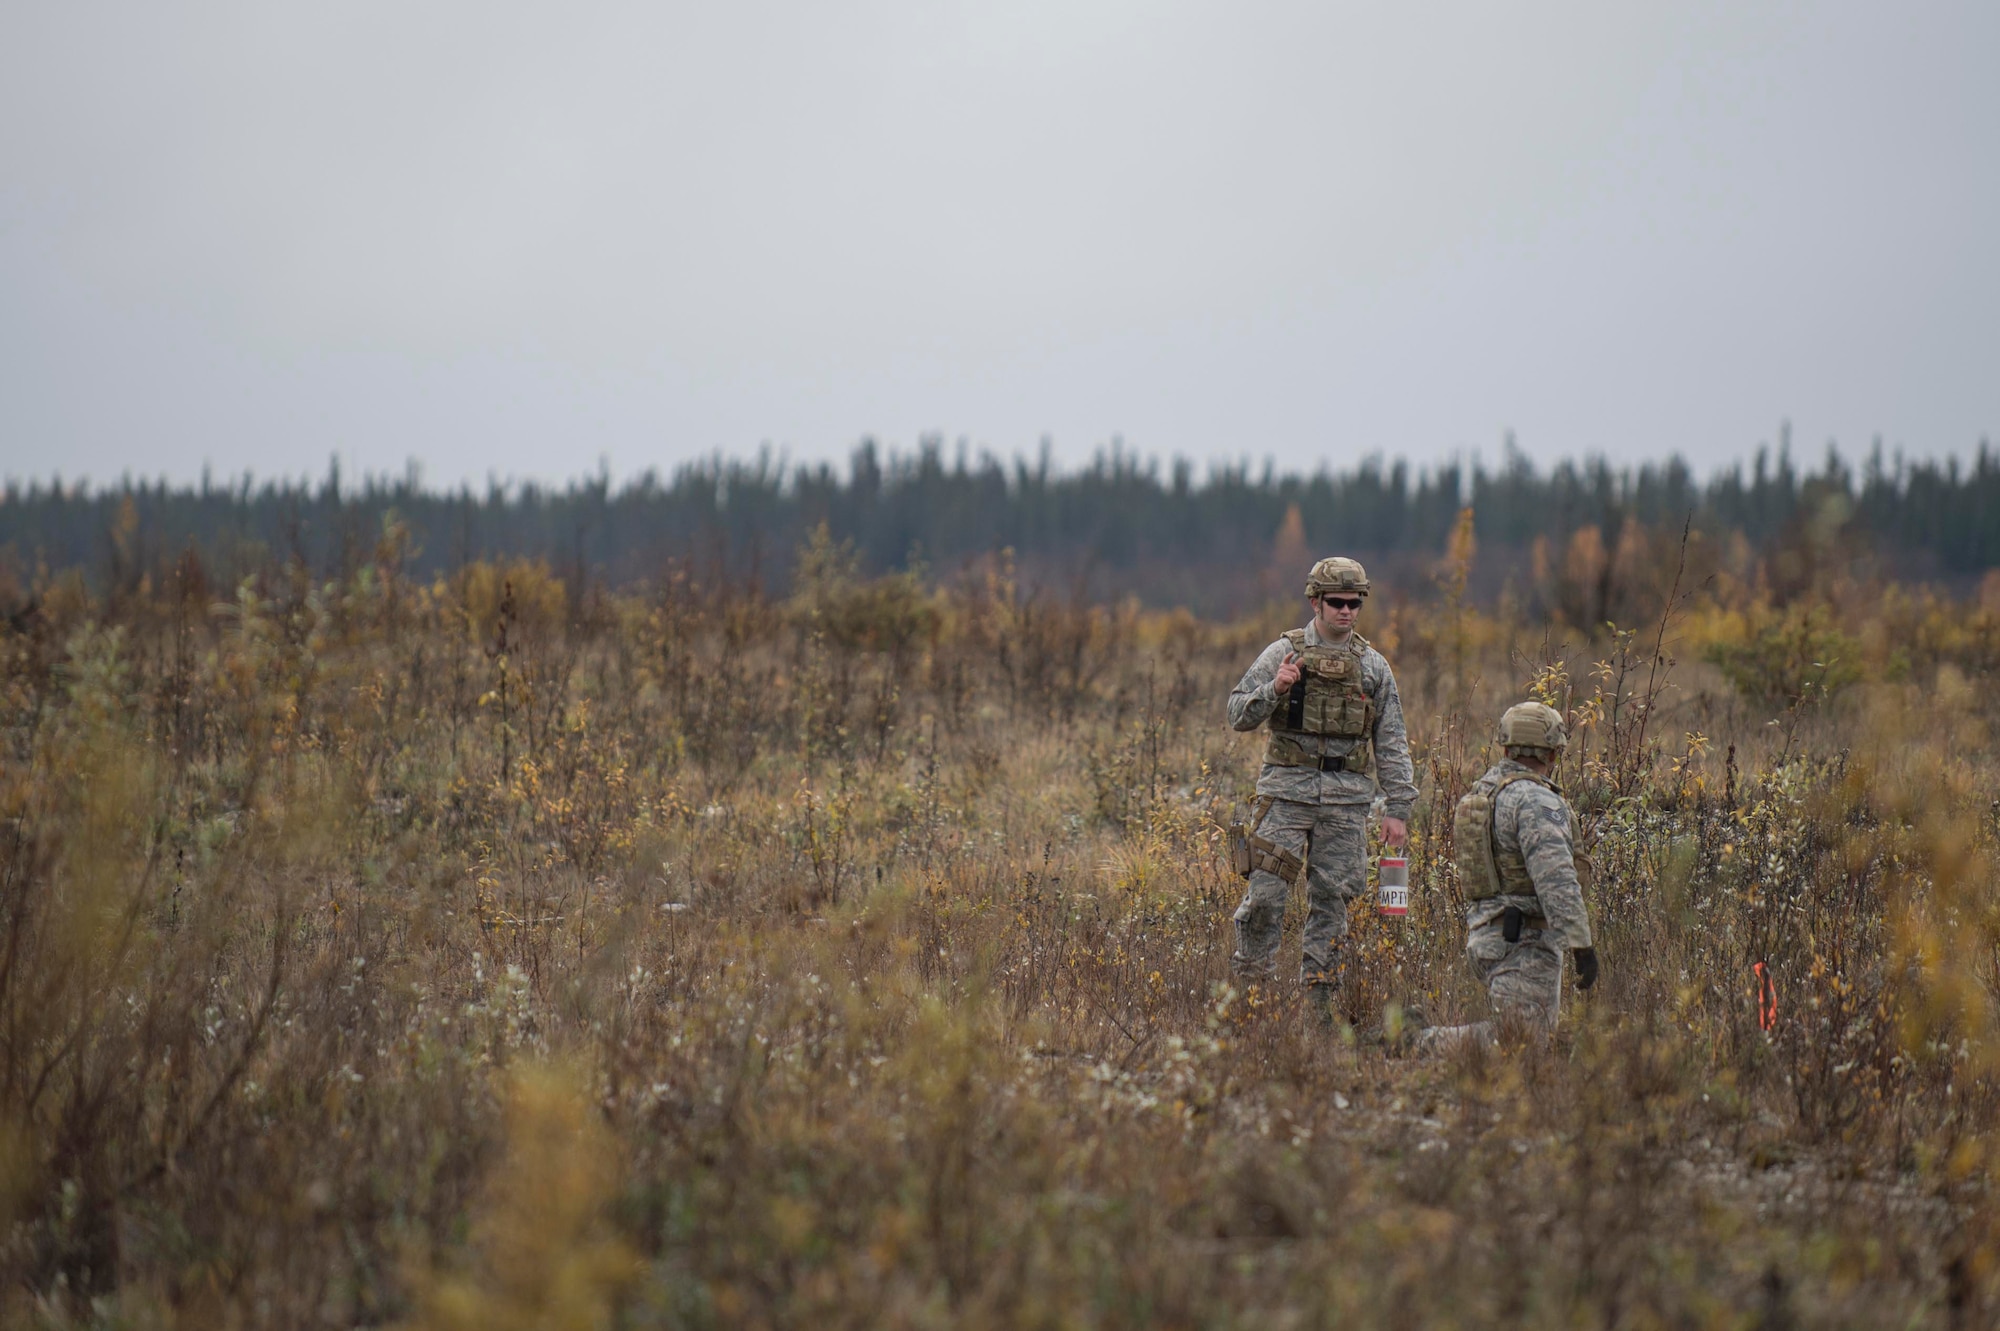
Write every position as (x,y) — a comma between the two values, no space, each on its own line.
(1653,685)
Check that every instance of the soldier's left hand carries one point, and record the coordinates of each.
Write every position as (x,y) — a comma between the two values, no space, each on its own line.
(1394,830)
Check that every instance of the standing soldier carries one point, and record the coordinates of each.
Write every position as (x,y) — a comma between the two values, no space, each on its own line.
(1517,865)
(1334,713)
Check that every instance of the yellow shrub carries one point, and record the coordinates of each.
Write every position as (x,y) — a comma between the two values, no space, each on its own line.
(546,1258)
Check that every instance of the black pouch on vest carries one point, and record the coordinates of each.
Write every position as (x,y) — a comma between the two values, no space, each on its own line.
(1510,924)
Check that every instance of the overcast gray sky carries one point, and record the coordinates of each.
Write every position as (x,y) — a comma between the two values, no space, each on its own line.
(507,238)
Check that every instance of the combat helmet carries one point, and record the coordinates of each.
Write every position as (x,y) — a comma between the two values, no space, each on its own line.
(1533,725)
(1337,574)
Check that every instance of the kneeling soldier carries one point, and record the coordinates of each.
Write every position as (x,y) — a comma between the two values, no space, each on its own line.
(1512,837)
(1336,721)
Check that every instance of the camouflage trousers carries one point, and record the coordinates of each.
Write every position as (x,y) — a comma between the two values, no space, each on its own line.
(1332,839)
(1523,982)
(1523,979)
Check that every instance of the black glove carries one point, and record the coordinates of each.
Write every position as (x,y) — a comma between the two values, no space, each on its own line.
(1510,924)
(1586,966)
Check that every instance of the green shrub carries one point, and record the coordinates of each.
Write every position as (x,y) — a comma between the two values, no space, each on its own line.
(1797,659)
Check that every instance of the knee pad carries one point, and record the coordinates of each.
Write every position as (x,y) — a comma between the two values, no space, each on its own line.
(1251,912)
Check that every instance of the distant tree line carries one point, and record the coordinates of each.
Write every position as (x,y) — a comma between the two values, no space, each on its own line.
(1127,520)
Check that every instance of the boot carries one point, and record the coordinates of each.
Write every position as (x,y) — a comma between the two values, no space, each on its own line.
(1397,1031)
(1322,1000)
(1403,1025)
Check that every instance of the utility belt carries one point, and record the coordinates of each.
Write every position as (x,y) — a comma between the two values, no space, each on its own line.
(1285,751)
(1513,920)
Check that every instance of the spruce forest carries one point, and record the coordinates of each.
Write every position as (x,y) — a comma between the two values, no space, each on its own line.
(1114,527)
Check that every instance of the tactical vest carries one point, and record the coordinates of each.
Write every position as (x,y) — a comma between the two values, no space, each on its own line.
(1328,700)
(1484,870)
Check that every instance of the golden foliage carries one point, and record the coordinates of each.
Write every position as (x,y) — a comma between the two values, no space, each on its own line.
(863,959)
(544,1255)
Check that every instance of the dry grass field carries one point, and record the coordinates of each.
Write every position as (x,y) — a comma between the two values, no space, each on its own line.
(493,953)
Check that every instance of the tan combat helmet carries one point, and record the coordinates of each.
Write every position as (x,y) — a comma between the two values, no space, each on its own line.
(1533,725)
(1337,574)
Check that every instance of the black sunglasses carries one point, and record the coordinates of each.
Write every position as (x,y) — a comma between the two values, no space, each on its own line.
(1342,602)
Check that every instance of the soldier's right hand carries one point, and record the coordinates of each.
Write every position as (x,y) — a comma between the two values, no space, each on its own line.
(1586,966)
(1288,673)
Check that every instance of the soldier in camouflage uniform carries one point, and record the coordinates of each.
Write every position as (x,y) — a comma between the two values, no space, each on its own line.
(1336,724)
(1512,836)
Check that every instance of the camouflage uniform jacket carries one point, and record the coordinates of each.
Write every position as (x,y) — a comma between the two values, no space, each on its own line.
(1255,698)
(1533,820)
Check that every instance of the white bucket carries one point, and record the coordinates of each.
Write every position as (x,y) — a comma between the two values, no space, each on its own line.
(1392,879)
